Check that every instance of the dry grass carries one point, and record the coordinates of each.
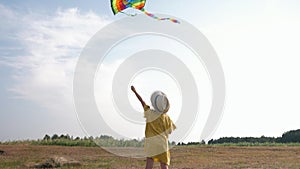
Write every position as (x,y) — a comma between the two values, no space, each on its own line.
(182,157)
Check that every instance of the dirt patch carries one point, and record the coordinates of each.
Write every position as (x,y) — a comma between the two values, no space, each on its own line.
(54,162)
(2,152)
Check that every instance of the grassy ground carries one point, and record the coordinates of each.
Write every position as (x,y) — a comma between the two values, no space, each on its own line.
(182,157)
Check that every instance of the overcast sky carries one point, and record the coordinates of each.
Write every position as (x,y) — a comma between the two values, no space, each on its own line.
(257,43)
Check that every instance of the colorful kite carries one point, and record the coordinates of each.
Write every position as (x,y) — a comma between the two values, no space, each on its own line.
(120,5)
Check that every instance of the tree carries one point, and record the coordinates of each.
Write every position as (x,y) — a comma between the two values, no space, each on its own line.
(202,142)
(46,137)
(292,136)
(54,137)
(61,136)
(211,141)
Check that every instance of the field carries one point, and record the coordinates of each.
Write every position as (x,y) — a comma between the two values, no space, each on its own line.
(183,157)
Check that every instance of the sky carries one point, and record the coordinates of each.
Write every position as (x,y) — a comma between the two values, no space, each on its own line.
(257,43)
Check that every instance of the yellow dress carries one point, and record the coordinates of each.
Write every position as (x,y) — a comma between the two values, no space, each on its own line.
(158,128)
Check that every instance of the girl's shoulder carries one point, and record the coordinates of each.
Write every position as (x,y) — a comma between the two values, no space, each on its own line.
(151,114)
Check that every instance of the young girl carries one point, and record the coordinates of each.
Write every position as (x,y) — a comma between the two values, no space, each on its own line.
(158,127)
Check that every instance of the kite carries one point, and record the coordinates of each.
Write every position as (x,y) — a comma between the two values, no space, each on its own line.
(120,5)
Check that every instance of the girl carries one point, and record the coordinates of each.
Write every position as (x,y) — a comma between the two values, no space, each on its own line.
(158,127)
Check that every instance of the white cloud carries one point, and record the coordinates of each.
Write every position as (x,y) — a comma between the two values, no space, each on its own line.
(52,44)
(6,13)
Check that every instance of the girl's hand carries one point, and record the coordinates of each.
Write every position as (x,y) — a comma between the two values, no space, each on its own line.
(133,89)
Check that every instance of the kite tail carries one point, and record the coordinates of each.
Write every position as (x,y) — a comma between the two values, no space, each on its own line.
(157,18)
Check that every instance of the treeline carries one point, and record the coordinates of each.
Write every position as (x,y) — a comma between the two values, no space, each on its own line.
(191,143)
(103,141)
(288,138)
(292,136)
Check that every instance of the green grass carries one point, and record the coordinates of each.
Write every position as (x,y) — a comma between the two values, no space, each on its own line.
(127,143)
(8,164)
(65,142)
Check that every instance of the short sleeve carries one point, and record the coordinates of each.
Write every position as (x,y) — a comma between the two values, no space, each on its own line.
(146,107)
(170,126)
(150,114)
(173,126)
(146,111)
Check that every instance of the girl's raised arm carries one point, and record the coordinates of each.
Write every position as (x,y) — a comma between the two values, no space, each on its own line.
(138,96)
